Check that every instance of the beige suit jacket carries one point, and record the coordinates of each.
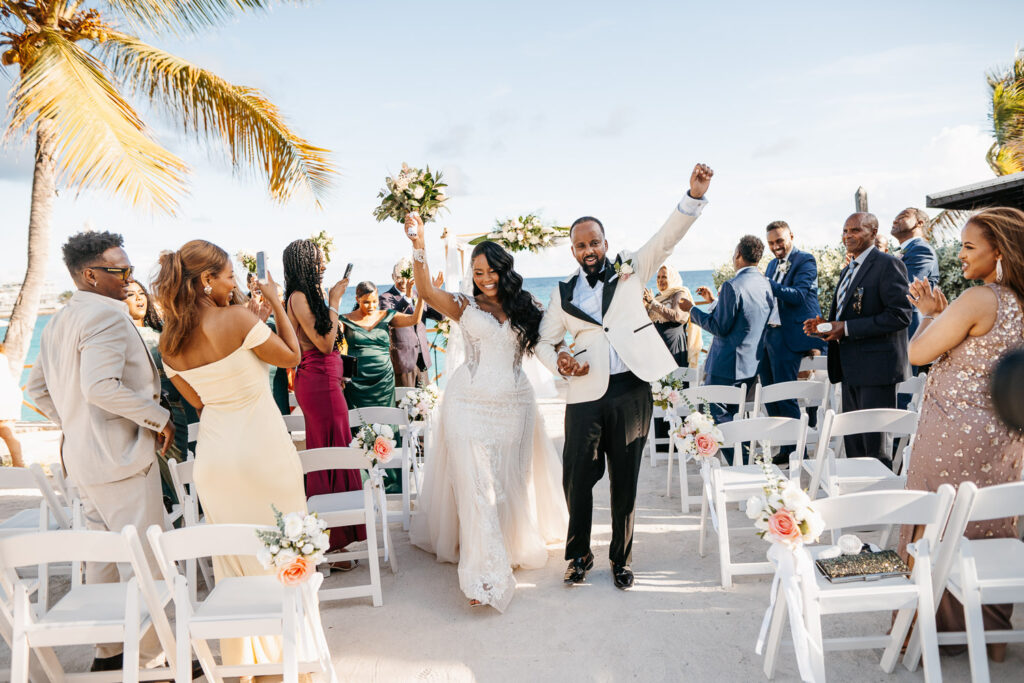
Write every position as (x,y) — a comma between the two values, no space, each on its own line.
(625,324)
(95,378)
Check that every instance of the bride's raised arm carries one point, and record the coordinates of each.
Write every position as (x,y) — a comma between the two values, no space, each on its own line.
(447,304)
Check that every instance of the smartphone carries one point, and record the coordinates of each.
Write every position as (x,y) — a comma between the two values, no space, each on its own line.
(261,267)
(348,271)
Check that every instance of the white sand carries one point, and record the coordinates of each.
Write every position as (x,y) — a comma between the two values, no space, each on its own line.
(676,624)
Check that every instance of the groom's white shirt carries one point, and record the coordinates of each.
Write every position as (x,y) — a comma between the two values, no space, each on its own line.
(624,332)
(589,301)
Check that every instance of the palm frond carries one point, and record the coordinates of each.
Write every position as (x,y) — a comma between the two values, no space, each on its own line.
(250,126)
(945,226)
(100,140)
(186,16)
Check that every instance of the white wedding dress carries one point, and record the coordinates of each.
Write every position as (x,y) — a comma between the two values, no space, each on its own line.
(492,498)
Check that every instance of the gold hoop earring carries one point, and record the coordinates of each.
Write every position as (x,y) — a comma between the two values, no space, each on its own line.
(999,270)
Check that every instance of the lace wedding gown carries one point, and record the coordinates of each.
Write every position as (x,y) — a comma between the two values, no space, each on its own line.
(492,498)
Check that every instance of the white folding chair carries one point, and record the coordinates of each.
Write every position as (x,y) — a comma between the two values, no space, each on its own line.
(185,488)
(725,484)
(240,606)
(400,393)
(296,426)
(706,393)
(807,393)
(914,388)
(397,417)
(813,363)
(293,402)
(983,571)
(88,613)
(838,476)
(193,432)
(904,595)
(346,508)
(692,378)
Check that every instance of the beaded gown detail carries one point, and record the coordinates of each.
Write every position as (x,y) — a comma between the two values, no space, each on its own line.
(959,438)
(492,498)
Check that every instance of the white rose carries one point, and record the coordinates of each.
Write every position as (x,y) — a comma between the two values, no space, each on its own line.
(293,526)
(310,525)
(761,524)
(274,549)
(308,549)
(387,432)
(285,557)
(323,541)
(815,527)
(794,498)
(264,557)
(754,507)
(775,500)
(418,192)
(656,387)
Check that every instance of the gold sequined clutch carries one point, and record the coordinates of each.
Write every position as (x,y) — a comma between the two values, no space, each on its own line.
(864,566)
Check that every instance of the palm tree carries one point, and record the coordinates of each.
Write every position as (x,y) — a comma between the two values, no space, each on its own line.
(1007,153)
(76,68)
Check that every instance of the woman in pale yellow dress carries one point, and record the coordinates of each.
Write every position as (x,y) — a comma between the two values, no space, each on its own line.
(216,355)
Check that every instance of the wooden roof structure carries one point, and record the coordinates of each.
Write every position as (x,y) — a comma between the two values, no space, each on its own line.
(1007,190)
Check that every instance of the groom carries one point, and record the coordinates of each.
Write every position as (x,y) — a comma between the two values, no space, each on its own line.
(617,353)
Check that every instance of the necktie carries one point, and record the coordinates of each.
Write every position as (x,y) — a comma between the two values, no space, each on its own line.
(592,278)
(844,285)
(779,273)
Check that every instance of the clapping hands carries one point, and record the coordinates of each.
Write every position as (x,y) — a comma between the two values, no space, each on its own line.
(927,299)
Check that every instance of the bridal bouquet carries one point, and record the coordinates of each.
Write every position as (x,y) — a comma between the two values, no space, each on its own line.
(525,233)
(783,513)
(666,392)
(325,242)
(411,191)
(698,435)
(377,441)
(295,547)
(248,260)
(444,330)
(419,403)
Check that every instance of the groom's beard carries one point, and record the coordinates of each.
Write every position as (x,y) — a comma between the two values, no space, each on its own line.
(592,269)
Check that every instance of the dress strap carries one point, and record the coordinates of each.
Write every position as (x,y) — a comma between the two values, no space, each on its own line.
(259,333)
(169,371)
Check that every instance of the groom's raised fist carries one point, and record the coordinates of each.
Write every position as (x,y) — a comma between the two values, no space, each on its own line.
(700,179)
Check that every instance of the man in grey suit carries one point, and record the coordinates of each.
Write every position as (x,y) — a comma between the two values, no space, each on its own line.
(96,380)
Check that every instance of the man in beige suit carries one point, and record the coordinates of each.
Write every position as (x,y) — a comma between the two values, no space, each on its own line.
(96,380)
(617,353)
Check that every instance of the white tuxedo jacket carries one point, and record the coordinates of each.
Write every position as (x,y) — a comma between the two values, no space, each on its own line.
(626,325)
(97,381)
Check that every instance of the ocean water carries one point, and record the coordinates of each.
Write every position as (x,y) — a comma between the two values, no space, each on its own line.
(540,287)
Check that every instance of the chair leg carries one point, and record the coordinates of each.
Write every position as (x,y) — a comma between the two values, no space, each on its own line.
(130,658)
(684,484)
(771,652)
(20,651)
(406,492)
(650,445)
(668,477)
(975,636)
(373,558)
(815,640)
(703,520)
(289,639)
(183,651)
(897,634)
(724,556)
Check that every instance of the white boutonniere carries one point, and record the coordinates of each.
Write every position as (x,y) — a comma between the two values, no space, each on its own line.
(784,267)
(623,269)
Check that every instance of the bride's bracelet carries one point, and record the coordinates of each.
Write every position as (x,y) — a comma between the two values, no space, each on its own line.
(419,255)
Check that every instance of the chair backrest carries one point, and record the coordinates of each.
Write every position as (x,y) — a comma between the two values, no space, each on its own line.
(713,393)
(205,540)
(400,393)
(996,502)
(75,545)
(914,387)
(33,477)
(689,375)
(812,392)
(295,423)
(357,417)
(193,432)
(293,402)
(182,476)
(925,508)
(319,459)
(767,431)
(811,363)
(888,420)
(17,478)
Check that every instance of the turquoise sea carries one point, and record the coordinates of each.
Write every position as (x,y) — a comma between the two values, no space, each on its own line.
(540,287)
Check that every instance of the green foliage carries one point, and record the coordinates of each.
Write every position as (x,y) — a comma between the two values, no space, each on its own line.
(830,262)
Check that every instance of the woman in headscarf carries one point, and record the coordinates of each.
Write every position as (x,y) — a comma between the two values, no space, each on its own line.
(681,335)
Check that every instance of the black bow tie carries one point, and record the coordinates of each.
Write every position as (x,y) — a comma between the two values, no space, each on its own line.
(592,278)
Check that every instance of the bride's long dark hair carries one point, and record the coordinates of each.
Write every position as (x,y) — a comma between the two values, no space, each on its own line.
(521,308)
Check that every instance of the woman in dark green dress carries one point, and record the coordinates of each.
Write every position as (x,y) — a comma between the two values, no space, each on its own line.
(368,335)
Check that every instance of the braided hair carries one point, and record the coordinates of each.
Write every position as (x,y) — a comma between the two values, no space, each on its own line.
(302,274)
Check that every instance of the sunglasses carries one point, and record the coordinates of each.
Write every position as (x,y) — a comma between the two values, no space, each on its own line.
(124,273)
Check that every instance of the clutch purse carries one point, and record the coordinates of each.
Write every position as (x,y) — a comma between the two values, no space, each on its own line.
(349,366)
(863,566)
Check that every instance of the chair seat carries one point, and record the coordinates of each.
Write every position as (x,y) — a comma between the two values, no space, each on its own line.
(996,559)
(233,597)
(28,520)
(342,501)
(95,604)
(742,478)
(895,588)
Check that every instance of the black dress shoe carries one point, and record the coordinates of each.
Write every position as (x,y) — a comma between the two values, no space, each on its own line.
(577,570)
(115,663)
(622,575)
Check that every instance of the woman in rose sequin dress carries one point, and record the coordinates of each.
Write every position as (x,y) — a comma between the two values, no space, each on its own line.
(959,437)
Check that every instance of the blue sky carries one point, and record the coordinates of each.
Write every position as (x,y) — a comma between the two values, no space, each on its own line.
(572,108)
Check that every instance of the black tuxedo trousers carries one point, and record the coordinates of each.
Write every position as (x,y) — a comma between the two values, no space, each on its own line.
(614,429)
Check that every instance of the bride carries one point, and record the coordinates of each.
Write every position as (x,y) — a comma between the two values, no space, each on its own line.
(492,497)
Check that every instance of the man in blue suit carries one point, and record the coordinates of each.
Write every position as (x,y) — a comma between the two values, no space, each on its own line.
(793,277)
(917,255)
(737,321)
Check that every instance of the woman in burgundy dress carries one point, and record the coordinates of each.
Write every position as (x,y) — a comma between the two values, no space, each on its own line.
(319,375)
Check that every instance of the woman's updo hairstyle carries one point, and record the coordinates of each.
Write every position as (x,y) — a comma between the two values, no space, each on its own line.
(178,289)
